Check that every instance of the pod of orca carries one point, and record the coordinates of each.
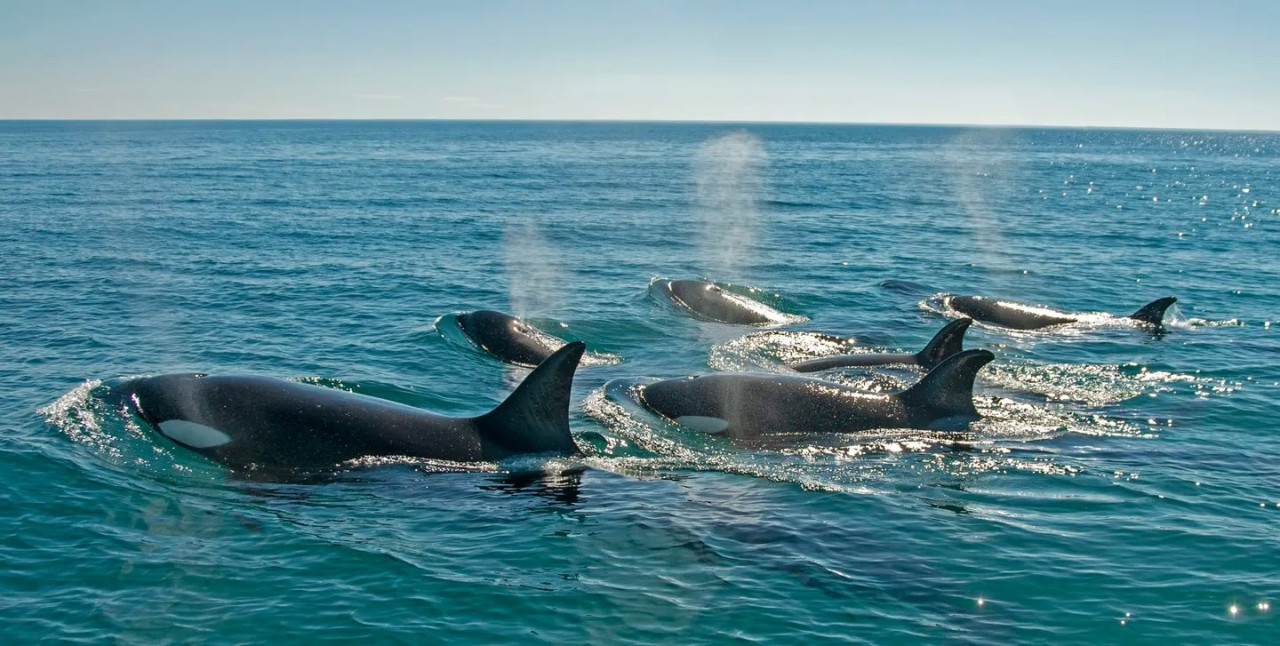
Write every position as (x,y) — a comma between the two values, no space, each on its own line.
(251,423)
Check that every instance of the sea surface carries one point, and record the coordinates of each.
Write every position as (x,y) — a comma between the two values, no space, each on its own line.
(1122,487)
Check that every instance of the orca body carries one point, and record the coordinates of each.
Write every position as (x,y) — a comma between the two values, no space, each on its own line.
(749,406)
(948,341)
(1026,316)
(508,338)
(261,423)
(707,300)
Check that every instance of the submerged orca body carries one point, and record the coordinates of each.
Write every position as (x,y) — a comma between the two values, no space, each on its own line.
(1025,316)
(271,424)
(948,341)
(508,338)
(707,300)
(748,406)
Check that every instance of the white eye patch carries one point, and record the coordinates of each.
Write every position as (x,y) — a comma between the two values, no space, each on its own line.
(703,424)
(192,434)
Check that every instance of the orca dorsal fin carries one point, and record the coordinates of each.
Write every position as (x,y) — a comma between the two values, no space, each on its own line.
(1153,313)
(535,418)
(947,390)
(948,341)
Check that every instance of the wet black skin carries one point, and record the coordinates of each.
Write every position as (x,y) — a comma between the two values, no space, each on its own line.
(754,405)
(274,424)
(711,302)
(1016,315)
(508,338)
(946,342)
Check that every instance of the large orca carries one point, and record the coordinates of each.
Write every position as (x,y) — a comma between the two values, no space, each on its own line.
(948,341)
(508,338)
(709,301)
(262,423)
(747,406)
(1026,316)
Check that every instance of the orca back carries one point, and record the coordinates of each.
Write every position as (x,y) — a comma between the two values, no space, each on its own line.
(535,418)
(947,391)
(507,337)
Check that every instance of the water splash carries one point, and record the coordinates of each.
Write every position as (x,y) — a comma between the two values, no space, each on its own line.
(87,417)
(78,414)
(728,172)
(1092,384)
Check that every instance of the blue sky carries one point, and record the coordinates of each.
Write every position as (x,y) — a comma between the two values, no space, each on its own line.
(1084,63)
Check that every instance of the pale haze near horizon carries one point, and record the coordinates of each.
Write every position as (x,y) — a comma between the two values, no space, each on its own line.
(1106,64)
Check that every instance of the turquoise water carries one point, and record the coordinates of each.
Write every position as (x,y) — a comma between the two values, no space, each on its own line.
(1120,488)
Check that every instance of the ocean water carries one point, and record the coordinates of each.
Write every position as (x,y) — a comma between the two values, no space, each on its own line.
(1121,487)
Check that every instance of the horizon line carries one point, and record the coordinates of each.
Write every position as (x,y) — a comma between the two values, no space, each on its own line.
(640,121)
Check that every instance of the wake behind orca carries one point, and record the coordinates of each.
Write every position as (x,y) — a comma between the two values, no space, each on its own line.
(261,423)
(747,406)
(945,343)
(1026,316)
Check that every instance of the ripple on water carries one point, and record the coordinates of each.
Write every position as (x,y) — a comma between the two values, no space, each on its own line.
(774,350)
(1120,488)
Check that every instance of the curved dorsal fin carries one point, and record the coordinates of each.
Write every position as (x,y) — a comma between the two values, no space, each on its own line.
(535,418)
(948,341)
(947,390)
(1153,313)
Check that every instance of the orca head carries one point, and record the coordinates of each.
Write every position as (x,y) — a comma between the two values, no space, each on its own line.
(687,291)
(690,398)
(166,403)
(481,324)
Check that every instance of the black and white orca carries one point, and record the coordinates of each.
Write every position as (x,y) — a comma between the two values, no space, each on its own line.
(252,423)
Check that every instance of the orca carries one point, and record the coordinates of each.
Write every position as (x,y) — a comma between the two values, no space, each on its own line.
(709,301)
(265,424)
(508,338)
(749,406)
(948,341)
(1026,316)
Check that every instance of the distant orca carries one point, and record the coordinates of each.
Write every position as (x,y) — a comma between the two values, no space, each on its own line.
(1025,316)
(747,406)
(261,423)
(711,302)
(945,343)
(508,338)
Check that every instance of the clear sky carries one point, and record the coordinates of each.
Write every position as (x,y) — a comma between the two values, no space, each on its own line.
(1170,63)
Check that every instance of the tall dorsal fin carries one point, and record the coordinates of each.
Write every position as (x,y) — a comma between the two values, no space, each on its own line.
(947,390)
(535,418)
(1153,313)
(948,341)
